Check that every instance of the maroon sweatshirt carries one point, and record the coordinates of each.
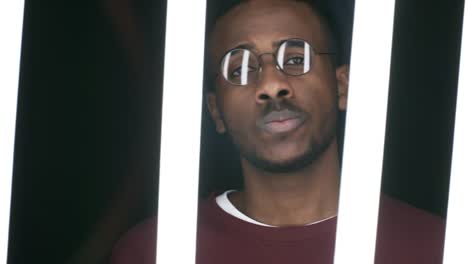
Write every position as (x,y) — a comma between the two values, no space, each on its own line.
(406,235)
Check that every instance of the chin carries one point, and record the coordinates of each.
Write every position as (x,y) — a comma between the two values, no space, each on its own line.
(284,165)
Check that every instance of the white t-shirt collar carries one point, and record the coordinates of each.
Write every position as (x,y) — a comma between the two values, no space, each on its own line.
(224,203)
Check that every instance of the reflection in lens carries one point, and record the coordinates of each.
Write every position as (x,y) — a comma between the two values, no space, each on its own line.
(226,65)
(306,58)
(239,67)
(294,57)
(280,55)
(245,67)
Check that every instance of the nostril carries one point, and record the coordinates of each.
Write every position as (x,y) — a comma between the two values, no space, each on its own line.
(263,97)
(283,93)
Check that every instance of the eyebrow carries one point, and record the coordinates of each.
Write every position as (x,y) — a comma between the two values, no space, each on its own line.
(250,46)
(292,42)
(245,46)
(278,42)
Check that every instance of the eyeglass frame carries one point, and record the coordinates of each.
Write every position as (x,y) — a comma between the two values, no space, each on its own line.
(274,54)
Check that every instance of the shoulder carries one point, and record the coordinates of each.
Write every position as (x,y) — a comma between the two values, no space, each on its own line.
(407,233)
(396,213)
(137,245)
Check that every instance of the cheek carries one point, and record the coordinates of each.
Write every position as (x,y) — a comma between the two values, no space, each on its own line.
(315,93)
(318,99)
(237,110)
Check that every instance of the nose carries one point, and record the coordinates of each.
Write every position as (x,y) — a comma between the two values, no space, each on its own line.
(272,84)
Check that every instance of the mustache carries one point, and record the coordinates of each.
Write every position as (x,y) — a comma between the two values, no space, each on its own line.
(280,106)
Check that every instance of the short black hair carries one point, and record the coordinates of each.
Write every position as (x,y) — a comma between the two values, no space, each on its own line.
(335,14)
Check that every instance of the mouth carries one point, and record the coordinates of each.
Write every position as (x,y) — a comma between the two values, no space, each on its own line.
(281,121)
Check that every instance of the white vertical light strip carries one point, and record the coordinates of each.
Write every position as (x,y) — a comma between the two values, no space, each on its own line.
(180,131)
(457,212)
(365,132)
(11,27)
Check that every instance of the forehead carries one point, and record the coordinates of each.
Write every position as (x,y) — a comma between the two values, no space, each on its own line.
(262,23)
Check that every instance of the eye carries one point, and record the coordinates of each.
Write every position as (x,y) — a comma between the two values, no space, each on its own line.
(238,71)
(296,60)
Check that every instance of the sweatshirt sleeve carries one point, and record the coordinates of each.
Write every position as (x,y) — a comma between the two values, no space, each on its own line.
(138,245)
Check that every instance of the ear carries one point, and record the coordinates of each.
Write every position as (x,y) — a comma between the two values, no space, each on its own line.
(342,77)
(215,113)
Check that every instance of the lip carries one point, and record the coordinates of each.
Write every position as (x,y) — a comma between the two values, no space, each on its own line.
(281,121)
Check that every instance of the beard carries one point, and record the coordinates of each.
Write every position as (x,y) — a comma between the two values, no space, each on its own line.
(312,153)
(318,144)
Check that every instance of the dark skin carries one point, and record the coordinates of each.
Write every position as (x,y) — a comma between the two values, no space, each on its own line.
(300,183)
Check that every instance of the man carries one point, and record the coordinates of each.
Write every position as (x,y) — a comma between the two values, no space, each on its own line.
(279,88)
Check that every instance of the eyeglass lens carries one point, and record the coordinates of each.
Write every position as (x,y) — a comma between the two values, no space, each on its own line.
(293,57)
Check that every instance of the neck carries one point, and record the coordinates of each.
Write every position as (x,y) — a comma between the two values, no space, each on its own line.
(291,199)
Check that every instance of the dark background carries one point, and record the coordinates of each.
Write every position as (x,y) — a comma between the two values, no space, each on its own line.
(87,143)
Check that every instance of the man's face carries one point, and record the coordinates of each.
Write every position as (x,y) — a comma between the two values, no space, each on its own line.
(279,123)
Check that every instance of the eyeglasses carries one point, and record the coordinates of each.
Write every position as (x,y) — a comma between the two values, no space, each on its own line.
(293,57)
